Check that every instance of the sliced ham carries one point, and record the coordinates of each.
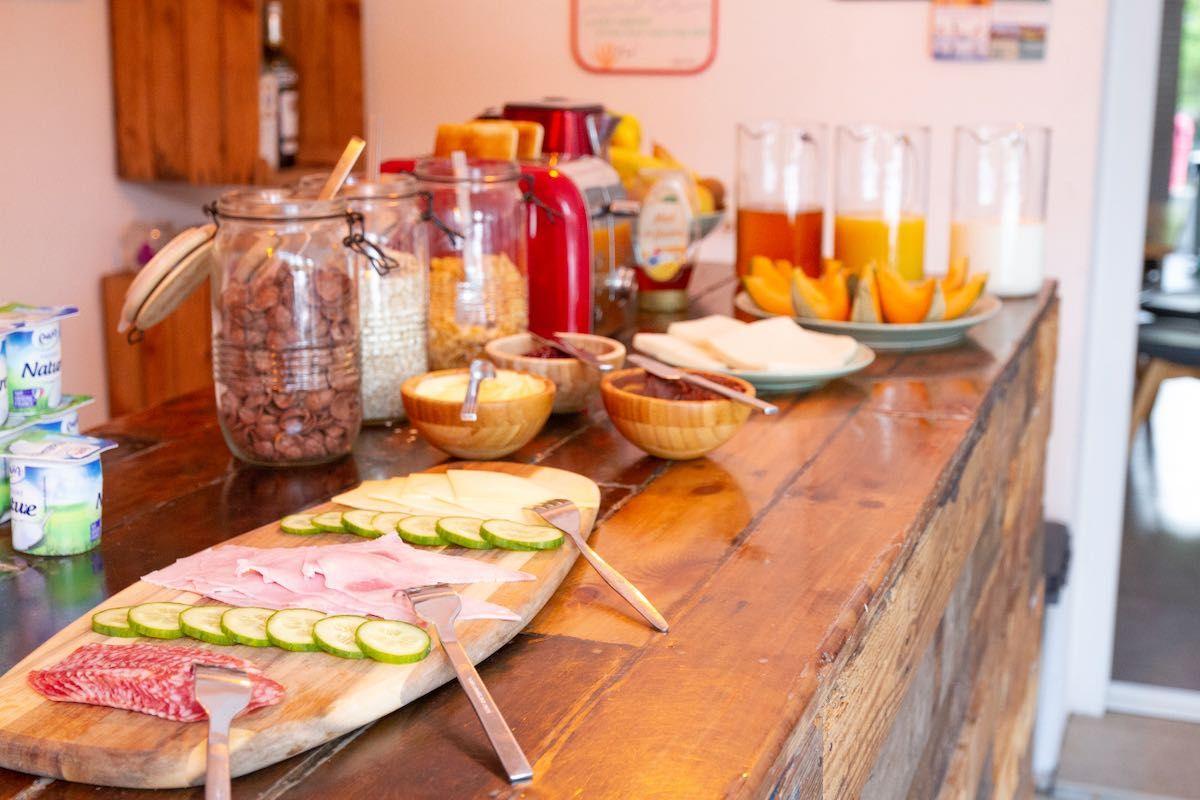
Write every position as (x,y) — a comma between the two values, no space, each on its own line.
(365,577)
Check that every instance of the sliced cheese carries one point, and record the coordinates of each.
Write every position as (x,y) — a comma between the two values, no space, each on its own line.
(581,491)
(434,484)
(779,344)
(499,486)
(363,497)
(701,331)
(674,350)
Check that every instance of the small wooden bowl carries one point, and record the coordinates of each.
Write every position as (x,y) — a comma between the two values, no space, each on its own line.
(575,382)
(502,428)
(675,429)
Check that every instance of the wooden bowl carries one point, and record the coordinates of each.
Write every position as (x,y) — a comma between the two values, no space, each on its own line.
(502,427)
(675,429)
(575,382)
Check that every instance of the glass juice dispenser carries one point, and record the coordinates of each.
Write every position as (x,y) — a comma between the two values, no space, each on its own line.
(780,193)
(999,208)
(881,197)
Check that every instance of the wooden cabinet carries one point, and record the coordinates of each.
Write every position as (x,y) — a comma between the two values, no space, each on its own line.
(174,358)
(185,86)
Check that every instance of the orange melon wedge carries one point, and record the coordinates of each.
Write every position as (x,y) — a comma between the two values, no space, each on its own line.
(903,302)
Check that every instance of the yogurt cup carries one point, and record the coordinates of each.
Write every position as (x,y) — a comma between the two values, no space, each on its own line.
(64,419)
(57,489)
(33,353)
(6,327)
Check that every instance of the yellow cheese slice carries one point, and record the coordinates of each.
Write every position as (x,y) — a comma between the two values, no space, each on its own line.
(362,497)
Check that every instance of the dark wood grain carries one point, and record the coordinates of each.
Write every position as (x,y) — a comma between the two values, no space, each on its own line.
(848,584)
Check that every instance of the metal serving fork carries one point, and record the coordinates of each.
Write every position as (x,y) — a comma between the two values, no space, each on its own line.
(222,692)
(440,607)
(564,515)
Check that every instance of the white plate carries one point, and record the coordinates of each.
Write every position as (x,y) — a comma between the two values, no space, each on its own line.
(891,337)
(799,380)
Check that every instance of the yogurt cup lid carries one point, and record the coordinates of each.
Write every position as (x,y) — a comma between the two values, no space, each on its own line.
(58,448)
(19,422)
(70,404)
(25,314)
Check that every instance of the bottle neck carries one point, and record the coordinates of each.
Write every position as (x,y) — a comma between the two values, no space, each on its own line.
(274,25)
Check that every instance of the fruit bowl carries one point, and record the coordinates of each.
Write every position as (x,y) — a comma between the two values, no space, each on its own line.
(674,429)
(502,427)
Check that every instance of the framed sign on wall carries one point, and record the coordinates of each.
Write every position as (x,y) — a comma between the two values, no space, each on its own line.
(644,37)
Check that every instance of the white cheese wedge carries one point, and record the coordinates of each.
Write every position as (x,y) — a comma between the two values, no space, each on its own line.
(674,350)
(779,344)
(701,331)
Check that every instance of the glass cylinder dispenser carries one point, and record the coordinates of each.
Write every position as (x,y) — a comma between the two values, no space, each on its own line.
(780,193)
(999,206)
(882,196)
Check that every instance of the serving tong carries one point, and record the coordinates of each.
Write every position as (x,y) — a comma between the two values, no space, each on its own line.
(223,692)
(440,606)
(480,369)
(578,353)
(666,372)
(564,515)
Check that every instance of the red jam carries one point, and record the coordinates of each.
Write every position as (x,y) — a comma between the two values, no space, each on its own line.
(546,351)
(663,389)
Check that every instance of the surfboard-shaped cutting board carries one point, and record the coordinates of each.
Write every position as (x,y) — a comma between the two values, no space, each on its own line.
(326,696)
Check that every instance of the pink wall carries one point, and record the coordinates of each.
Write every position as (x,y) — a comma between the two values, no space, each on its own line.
(62,208)
(827,60)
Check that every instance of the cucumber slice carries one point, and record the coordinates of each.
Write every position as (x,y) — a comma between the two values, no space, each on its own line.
(247,625)
(391,641)
(358,522)
(420,530)
(329,521)
(157,620)
(204,624)
(463,531)
(292,629)
(335,635)
(387,522)
(113,622)
(520,536)
(301,524)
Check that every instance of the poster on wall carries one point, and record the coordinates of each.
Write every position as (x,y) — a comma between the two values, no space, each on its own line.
(983,30)
(644,37)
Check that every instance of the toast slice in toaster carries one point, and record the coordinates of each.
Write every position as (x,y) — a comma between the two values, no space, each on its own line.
(450,137)
(529,139)
(493,140)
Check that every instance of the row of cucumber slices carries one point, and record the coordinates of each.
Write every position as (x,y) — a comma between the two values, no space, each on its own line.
(478,534)
(296,629)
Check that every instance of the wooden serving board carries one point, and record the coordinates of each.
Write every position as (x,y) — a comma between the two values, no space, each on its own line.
(326,696)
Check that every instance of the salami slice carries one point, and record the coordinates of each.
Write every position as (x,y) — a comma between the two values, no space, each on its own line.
(150,679)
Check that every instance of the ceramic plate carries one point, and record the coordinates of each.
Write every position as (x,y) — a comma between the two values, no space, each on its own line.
(887,337)
(800,380)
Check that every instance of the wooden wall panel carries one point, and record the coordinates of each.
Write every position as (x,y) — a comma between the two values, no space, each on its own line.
(129,28)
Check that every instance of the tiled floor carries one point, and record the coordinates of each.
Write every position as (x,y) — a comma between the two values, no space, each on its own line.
(1122,757)
(1157,639)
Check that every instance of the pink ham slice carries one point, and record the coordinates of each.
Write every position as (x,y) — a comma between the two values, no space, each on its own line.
(151,679)
(357,578)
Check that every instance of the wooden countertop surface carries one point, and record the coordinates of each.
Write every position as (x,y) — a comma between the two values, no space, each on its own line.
(765,557)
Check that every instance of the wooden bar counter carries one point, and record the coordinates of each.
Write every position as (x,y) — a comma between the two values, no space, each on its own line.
(855,591)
